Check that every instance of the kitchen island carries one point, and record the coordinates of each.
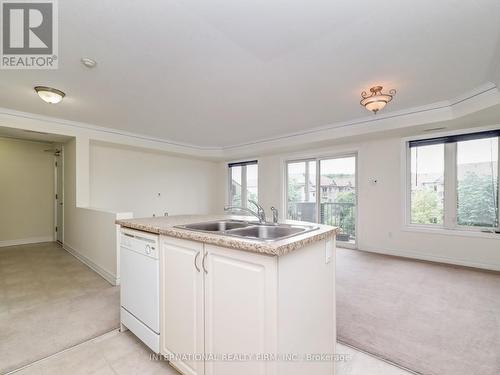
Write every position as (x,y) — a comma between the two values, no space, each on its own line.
(232,305)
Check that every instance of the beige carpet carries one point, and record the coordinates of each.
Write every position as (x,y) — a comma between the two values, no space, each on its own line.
(433,319)
(49,301)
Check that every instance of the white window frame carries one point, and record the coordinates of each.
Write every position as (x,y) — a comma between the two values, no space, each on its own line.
(244,182)
(450,224)
(318,160)
(306,161)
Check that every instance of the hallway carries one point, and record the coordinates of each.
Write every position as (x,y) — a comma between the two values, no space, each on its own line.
(49,301)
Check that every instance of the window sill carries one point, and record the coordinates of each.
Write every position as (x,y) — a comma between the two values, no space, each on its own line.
(450,232)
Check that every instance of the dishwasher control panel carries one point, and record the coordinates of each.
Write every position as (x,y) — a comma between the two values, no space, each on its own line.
(140,242)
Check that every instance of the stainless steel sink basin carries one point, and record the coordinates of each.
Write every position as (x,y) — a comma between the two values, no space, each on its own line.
(268,232)
(250,230)
(216,226)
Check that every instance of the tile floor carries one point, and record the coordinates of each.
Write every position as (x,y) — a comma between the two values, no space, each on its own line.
(36,274)
(33,277)
(49,301)
(123,354)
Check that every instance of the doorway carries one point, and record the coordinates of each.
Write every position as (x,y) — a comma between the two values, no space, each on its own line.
(59,195)
(324,190)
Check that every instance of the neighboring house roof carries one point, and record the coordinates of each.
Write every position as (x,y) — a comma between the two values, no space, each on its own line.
(339,181)
(480,169)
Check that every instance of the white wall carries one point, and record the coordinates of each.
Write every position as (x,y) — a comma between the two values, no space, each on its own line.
(381,222)
(26,192)
(89,234)
(105,182)
(147,183)
(381,217)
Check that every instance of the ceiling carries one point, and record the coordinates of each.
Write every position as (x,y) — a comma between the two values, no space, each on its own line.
(220,73)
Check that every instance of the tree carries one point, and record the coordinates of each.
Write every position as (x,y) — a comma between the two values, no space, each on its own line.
(341,212)
(293,190)
(477,200)
(346,200)
(425,207)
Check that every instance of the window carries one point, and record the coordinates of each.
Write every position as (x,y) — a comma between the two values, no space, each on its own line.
(243,183)
(477,182)
(453,181)
(324,191)
(427,184)
(301,195)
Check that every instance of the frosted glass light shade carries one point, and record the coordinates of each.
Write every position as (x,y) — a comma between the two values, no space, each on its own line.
(377,100)
(50,94)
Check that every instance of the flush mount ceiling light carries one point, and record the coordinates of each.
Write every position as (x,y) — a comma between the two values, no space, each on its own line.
(50,94)
(88,62)
(376,100)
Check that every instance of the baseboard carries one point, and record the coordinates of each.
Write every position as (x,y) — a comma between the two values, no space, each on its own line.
(26,241)
(111,278)
(431,258)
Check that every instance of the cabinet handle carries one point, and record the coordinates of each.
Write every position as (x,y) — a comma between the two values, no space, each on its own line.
(203,262)
(195,260)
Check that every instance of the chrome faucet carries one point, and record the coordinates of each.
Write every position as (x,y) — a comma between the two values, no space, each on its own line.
(275,214)
(247,210)
(260,214)
(260,211)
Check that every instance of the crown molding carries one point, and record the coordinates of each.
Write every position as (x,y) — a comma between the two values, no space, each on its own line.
(482,97)
(53,125)
(494,70)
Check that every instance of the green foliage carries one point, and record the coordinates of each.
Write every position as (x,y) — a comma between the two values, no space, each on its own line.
(293,190)
(342,212)
(346,197)
(426,208)
(477,201)
(346,214)
(235,194)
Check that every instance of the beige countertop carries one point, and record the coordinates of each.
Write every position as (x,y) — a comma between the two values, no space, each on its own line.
(165,225)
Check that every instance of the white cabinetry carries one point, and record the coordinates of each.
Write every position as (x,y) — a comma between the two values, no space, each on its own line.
(224,302)
(181,300)
(240,309)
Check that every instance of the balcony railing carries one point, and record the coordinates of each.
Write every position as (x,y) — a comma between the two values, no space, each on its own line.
(340,215)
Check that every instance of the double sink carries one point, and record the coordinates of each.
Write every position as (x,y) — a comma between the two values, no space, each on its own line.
(250,230)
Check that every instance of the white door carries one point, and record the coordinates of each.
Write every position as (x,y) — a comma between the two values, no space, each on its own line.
(338,197)
(240,310)
(181,331)
(325,191)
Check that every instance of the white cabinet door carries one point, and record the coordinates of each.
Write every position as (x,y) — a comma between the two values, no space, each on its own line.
(181,331)
(240,310)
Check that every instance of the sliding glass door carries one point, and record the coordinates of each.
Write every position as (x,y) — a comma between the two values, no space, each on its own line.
(324,191)
(338,196)
(301,192)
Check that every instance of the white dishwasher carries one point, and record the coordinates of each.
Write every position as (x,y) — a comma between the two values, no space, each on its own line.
(140,284)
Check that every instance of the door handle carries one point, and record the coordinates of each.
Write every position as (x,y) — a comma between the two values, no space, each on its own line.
(195,260)
(203,262)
